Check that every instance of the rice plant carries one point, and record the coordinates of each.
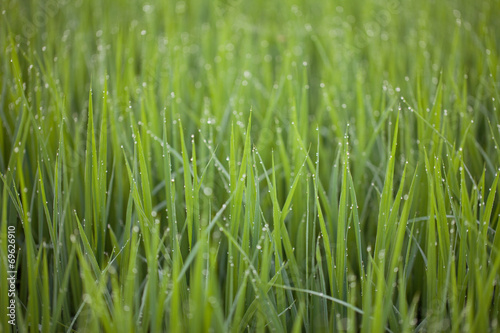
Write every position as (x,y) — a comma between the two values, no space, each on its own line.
(249,166)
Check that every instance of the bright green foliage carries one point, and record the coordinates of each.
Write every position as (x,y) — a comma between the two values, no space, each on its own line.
(228,166)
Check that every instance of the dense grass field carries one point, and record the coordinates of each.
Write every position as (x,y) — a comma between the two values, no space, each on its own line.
(241,166)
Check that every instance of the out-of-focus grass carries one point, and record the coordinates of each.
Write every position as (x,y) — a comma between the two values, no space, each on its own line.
(251,166)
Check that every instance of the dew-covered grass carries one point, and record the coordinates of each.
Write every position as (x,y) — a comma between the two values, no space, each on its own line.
(241,166)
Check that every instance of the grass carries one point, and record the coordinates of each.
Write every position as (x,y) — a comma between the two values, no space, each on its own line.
(232,166)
